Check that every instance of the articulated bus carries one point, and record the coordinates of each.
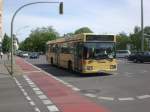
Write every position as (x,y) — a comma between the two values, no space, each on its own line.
(84,53)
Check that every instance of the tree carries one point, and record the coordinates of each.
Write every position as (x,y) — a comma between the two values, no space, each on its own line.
(83,30)
(38,38)
(122,41)
(136,38)
(136,41)
(6,44)
(137,29)
(147,30)
(69,34)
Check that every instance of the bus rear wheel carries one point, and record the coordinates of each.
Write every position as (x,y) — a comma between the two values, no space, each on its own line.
(52,63)
(70,66)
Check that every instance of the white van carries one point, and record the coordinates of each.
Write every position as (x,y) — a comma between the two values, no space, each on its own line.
(122,53)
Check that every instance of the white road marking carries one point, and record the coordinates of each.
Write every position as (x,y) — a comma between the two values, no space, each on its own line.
(27,79)
(25,93)
(33,85)
(75,89)
(126,99)
(22,90)
(18,83)
(30,83)
(37,109)
(38,92)
(69,85)
(42,97)
(47,102)
(52,108)
(20,86)
(144,71)
(31,72)
(65,83)
(143,97)
(36,89)
(90,95)
(106,98)
(128,73)
(32,103)
(28,98)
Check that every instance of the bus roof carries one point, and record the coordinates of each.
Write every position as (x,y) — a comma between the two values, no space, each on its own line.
(78,37)
(65,38)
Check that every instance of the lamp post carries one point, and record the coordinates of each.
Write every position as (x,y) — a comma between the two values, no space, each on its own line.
(142,27)
(13,18)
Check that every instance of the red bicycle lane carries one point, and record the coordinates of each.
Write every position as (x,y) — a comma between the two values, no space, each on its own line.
(64,97)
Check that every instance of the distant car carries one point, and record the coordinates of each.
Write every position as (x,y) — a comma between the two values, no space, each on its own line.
(34,55)
(122,53)
(140,57)
(25,55)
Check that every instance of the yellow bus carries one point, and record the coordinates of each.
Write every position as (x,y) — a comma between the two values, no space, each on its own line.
(84,53)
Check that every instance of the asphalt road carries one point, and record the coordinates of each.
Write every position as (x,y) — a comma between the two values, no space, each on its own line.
(127,90)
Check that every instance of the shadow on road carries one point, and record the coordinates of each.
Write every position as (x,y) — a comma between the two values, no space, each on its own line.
(60,72)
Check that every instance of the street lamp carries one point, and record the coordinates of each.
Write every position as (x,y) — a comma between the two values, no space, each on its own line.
(13,18)
(142,27)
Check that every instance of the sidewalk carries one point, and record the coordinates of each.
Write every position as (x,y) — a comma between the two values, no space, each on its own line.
(11,98)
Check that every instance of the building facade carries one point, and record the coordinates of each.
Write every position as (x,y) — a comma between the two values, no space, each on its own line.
(1,30)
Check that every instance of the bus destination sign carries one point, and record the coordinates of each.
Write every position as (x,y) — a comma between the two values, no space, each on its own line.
(99,37)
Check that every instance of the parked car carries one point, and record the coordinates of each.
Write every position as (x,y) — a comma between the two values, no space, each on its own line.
(134,55)
(140,57)
(122,53)
(25,55)
(34,55)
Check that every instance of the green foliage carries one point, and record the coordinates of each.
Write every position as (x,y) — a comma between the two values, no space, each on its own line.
(147,30)
(137,29)
(136,39)
(69,34)
(83,30)
(38,38)
(122,41)
(6,44)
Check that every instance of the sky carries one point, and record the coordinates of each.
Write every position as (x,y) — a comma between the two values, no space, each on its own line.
(101,16)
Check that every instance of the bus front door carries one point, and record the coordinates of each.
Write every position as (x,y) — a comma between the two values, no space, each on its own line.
(78,57)
(57,56)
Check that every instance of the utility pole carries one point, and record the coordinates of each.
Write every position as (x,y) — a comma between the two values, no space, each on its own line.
(142,27)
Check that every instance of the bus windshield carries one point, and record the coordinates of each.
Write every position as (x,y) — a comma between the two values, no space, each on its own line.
(99,50)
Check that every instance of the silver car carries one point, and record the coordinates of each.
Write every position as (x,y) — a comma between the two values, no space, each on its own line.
(122,53)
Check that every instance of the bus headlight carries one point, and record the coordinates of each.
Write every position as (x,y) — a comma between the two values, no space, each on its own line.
(113,67)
